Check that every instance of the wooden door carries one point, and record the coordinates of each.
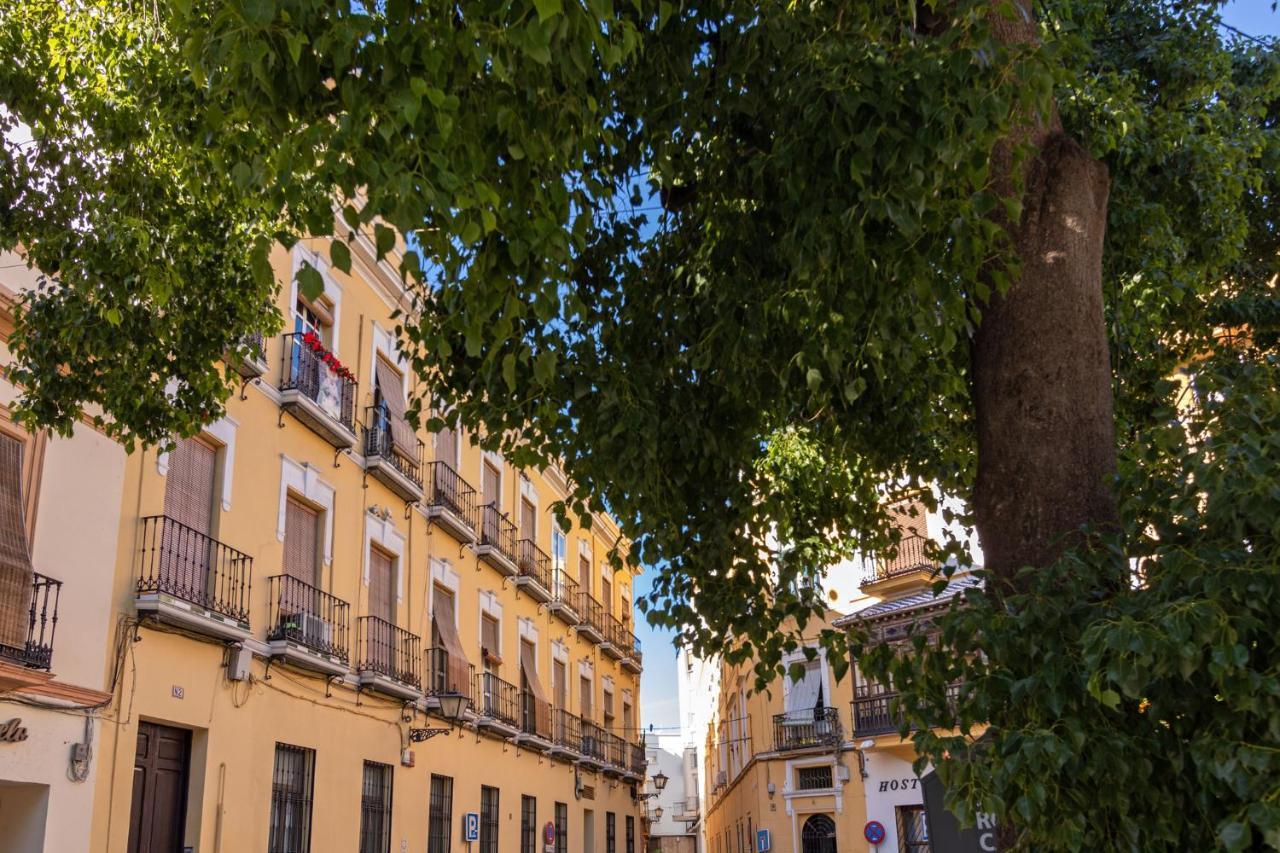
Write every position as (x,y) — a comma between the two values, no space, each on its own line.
(158,813)
(301,541)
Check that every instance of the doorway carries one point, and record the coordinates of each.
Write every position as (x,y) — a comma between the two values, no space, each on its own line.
(818,835)
(588,831)
(158,814)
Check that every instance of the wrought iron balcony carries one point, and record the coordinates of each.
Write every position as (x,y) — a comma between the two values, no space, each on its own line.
(564,596)
(42,622)
(614,750)
(308,625)
(591,624)
(497,545)
(911,556)
(191,578)
(450,501)
(535,717)
(497,701)
(449,674)
(389,657)
(593,749)
(633,660)
(639,763)
(318,393)
(254,361)
(566,732)
(874,712)
(615,643)
(807,728)
(386,462)
(534,566)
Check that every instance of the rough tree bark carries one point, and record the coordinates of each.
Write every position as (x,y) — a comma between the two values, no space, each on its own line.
(1041,366)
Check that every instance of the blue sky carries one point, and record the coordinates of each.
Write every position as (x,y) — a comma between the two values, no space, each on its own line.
(658,686)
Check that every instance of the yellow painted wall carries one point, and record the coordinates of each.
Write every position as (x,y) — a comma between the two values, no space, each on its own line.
(236,724)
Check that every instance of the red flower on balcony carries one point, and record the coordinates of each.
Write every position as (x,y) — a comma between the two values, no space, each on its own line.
(312,342)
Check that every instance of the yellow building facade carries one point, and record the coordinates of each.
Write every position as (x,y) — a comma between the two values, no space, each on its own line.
(349,635)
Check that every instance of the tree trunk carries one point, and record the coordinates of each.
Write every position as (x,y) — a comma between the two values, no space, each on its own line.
(1041,368)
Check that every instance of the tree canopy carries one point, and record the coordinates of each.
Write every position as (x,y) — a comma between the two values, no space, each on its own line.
(726,262)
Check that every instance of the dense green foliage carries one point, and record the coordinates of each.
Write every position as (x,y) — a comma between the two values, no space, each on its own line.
(721,259)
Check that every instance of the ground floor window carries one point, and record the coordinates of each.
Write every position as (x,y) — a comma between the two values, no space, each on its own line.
(375,808)
(913,830)
(440,815)
(562,828)
(610,832)
(631,834)
(528,825)
(488,819)
(292,783)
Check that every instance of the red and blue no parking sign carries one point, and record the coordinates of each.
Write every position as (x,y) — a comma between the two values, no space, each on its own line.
(873,832)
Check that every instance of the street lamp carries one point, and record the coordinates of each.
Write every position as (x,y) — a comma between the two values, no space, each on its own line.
(657,813)
(451,708)
(659,780)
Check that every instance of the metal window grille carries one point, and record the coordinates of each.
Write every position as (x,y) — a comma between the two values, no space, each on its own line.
(813,778)
(631,834)
(528,824)
(562,828)
(913,830)
(375,808)
(488,819)
(292,784)
(610,832)
(439,838)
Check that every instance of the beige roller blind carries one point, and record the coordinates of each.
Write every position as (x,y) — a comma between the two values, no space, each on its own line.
(188,487)
(606,594)
(16,570)
(457,671)
(490,484)
(301,541)
(489,641)
(529,668)
(584,573)
(528,520)
(447,447)
(381,585)
(559,684)
(584,697)
(391,388)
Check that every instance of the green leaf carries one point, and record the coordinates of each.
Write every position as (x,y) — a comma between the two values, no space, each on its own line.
(310,282)
(509,371)
(340,255)
(385,239)
(548,9)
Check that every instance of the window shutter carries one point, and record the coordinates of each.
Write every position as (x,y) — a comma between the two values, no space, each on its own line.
(301,541)
(188,488)
(490,484)
(16,570)
(381,595)
(489,635)
(391,389)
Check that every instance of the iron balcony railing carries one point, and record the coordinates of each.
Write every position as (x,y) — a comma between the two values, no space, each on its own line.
(535,715)
(564,589)
(305,368)
(42,622)
(638,763)
(593,743)
(636,654)
(181,561)
(591,611)
(377,442)
(498,531)
(388,650)
(874,712)
(308,616)
(615,749)
(912,556)
(449,674)
(497,699)
(566,729)
(805,728)
(534,563)
(449,491)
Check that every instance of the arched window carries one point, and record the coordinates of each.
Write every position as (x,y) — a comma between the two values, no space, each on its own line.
(818,835)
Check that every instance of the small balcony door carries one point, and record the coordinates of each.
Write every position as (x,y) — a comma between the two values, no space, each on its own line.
(606,595)
(491,485)
(188,500)
(584,574)
(559,685)
(382,596)
(301,541)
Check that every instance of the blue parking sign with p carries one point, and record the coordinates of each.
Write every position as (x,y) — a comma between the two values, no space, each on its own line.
(471,826)
(763,842)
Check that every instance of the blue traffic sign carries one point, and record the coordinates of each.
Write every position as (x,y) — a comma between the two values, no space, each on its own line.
(763,843)
(470,826)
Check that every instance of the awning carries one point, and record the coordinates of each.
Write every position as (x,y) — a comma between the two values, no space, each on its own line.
(457,667)
(541,705)
(403,440)
(16,571)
